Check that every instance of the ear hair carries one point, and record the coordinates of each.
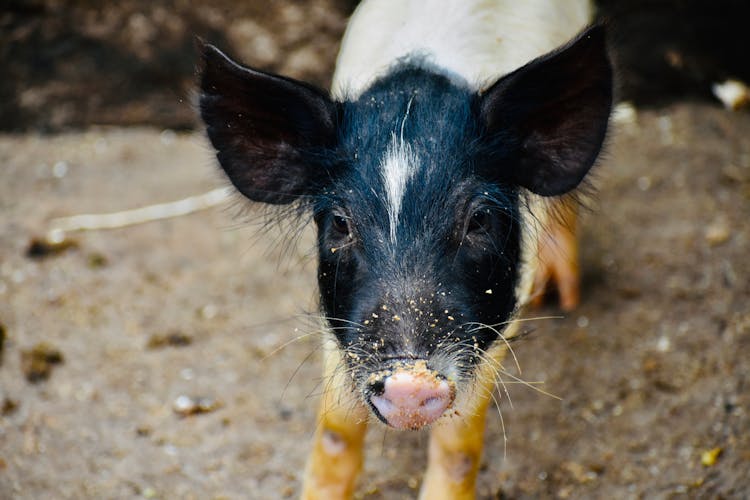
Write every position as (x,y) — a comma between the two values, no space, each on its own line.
(270,132)
(553,114)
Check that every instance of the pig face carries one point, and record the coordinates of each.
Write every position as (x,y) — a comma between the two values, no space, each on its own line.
(418,244)
(418,189)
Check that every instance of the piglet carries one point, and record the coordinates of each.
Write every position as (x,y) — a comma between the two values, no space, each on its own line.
(438,172)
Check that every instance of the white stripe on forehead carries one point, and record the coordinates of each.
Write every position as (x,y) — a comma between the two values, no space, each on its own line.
(397,167)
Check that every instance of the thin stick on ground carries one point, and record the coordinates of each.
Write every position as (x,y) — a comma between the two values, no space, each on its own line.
(149,213)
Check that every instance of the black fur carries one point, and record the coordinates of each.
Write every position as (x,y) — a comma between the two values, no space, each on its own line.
(399,292)
(555,110)
(270,133)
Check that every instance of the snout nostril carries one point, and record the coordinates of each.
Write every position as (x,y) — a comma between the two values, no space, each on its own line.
(377,388)
(432,402)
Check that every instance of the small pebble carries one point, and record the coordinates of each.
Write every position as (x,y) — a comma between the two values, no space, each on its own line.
(663,344)
(733,173)
(8,407)
(40,248)
(143,431)
(96,260)
(644,183)
(60,169)
(187,405)
(579,472)
(172,339)
(733,94)
(208,311)
(37,362)
(718,232)
(709,457)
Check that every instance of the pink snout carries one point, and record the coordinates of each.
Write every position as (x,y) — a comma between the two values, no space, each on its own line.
(411,400)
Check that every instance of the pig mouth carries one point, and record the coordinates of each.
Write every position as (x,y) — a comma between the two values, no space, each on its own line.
(409,395)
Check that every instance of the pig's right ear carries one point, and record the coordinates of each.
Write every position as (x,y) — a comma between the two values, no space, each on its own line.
(550,116)
(269,132)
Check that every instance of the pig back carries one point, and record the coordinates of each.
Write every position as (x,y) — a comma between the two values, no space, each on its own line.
(475,40)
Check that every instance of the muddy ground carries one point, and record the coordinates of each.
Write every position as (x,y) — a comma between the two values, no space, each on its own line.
(653,370)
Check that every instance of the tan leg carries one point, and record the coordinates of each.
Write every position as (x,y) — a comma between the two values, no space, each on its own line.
(558,257)
(336,458)
(455,448)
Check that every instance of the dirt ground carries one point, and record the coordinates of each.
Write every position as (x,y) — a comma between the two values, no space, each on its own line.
(652,371)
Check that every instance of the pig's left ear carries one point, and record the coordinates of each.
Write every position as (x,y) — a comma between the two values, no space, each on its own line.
(552,113)
(270,132)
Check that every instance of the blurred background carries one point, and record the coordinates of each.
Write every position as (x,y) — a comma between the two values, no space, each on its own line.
(179,358)
(80,62)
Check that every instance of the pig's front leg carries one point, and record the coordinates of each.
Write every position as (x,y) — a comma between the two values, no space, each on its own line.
(336,458)
(558,256)
(456,449)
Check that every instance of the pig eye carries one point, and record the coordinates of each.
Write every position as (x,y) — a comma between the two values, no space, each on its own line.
(340,224)
(479,221)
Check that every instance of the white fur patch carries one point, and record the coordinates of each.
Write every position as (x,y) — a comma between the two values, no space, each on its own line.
(479,40)
(397,167)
